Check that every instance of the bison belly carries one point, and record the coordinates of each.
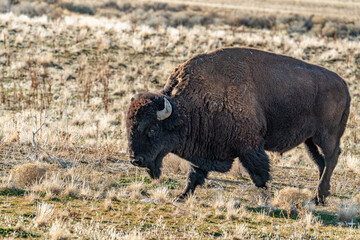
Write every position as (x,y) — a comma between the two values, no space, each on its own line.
(292,133)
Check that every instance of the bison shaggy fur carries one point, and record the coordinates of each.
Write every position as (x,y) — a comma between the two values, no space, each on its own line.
(236,103)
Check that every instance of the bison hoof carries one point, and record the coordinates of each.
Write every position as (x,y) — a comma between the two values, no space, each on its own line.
(259,181)
(318,201)
(178,200)
(262,186)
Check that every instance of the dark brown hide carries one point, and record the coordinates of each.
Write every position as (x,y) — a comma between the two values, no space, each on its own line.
(238,102)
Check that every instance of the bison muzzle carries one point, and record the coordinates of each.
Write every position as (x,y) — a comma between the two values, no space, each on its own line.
(237,103)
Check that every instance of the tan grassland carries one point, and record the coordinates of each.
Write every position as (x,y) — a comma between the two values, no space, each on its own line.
(67,74)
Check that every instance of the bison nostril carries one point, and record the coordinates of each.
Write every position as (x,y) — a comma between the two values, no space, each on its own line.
(133,162)
(138,161)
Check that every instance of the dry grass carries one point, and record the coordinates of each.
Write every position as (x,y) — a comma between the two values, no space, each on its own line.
(85,68)
(347,212)
(58,231)
(71,189)
(108,205)
(292,198)
(160,193)
(240,232)
(353,163)
(33,197)
(310,221)
(44,214)
(356,198)
(135,190)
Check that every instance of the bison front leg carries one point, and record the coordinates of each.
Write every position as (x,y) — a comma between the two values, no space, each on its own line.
(196,177)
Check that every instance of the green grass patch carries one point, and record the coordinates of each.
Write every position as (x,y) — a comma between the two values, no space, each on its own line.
(172,183)
(29,215)
(278,213)
(11,192)
(326,218)
(17,233)
(127,181)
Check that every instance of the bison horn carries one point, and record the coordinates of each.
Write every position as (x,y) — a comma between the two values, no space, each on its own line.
(166,112)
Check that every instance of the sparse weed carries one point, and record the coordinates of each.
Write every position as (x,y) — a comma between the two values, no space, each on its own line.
(58,231)
(44,213)
(292,198)
(135,190)
(347,212)
(108,205)
(160,193)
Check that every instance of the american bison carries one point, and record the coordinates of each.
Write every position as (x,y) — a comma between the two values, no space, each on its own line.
(237,103)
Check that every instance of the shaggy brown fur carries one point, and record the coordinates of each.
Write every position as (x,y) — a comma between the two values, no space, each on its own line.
(238,102)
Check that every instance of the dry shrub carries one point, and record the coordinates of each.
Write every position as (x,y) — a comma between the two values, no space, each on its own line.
(30,173)
(310,221)
(219,202)
(112,194)
(72,187)
(5,6)
(191,202)
(53,185)
(33,197)
(261,217)
(59,232)
(108,205)
(292,197)
(353,163)
(135,190)
(258,196)
(25,8)
(160,194)
(14,137)
(99,194)
(82,9)
(85,192)
(7,181)
(347,212)
(71,190)
(240,232)
(233,210)
(356,199)
(134,235)
(43,214)
(55,14)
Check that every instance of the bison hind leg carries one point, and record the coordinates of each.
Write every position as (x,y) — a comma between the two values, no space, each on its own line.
(315,155)
(257,164)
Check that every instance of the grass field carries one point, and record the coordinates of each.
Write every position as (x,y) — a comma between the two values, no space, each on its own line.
(67,74)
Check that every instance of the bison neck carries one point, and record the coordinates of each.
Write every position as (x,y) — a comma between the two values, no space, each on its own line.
(204,136)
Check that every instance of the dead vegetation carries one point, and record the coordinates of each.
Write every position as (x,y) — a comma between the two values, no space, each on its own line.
(84,63)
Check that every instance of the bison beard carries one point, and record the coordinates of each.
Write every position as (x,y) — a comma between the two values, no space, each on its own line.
(237,103)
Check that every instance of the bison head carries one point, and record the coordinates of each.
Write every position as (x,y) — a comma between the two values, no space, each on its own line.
(153,130)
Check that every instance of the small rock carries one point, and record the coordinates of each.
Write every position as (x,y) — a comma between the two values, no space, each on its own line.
(150,200)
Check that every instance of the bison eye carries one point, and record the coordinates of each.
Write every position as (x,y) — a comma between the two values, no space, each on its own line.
(151,131)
